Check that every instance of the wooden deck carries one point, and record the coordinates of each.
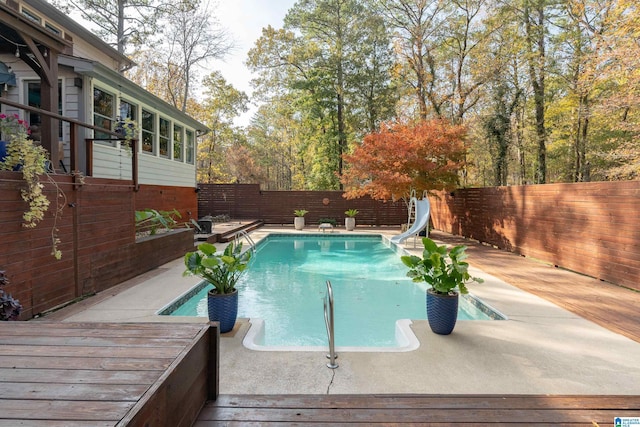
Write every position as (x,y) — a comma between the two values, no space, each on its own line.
(448,410)
(69,374)
(611,306)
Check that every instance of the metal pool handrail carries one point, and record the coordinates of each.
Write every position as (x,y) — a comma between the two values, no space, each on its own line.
(328,321)
(243,233)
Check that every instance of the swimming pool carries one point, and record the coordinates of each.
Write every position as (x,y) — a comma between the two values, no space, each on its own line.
(283,291)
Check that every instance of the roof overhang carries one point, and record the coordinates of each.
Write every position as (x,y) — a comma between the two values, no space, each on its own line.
(69,24)
(129,89)
(16,25)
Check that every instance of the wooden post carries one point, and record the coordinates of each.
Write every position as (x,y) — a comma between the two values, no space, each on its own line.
(213,380)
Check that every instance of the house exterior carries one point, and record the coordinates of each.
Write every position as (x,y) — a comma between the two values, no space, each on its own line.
(53,63)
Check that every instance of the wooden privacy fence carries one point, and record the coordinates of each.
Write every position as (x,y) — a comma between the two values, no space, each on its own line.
(246,201)
(97,238)
(591,228)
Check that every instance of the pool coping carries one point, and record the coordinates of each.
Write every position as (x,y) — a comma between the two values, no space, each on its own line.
(404,335)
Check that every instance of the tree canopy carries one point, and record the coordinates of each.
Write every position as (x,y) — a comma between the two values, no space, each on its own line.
(400,158)
(547,90)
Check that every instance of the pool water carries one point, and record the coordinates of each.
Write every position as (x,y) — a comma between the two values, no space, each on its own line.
(285,286)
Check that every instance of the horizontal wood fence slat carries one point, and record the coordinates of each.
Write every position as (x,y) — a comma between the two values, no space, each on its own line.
(247,201)
(97,238)
(590,228)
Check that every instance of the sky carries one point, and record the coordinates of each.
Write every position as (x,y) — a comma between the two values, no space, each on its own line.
(245,19)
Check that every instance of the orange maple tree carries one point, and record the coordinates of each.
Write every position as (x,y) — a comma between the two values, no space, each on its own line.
(402,157)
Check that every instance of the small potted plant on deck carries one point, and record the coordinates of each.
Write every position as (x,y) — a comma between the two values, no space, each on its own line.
(350,220)
(298,221)
(447,273)
(222,270)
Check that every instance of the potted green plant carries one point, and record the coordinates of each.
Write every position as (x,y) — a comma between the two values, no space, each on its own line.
(350,220)
(10,308)
(150,220)
(448,275)
(298,221)
(221,270)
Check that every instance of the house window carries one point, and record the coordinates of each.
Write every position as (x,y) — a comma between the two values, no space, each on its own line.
(128,111)
(103,112)
(148,131)
(164,137)
(53,29)
(31,16)
(34,98)
(189,149)
(177,142)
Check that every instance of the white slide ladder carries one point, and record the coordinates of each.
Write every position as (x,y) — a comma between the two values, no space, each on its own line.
(421,220)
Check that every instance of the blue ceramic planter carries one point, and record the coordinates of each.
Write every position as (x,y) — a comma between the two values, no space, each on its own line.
(223,308)
(442,312)
(3,150)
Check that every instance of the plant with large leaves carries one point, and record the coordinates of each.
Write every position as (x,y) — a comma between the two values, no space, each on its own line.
(220,269)
(444,270)
(447,273)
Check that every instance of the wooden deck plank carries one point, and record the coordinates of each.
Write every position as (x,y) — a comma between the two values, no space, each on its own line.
(78,376)
(149,330)
(504,423)
(390,415)
(431,401)
(51,423)
(86,351)
(71,363)
(531,410)
(63,410)
(129,342)
(66,391)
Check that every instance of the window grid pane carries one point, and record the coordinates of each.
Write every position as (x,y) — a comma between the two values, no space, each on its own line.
(177,143)
(103,111)
(189,157)
(128,110)
(148,131)
(164,137)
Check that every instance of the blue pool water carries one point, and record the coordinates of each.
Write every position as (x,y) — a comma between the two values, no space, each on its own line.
(286,284)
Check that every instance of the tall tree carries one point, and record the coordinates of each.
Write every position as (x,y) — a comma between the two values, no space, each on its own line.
(329,58)
(497,127)
(534,16)
(125,24)
(272,136)
(418,24)
(193,37)
(615,73)
(221,105)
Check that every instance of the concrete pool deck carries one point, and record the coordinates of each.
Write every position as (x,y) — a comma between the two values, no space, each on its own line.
(541,349)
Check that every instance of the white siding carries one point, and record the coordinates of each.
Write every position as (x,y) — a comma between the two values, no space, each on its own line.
(110,162)
(115,163)
(82,49)
(161,171)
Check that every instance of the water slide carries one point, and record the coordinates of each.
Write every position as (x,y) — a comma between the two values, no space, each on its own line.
(421,222)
